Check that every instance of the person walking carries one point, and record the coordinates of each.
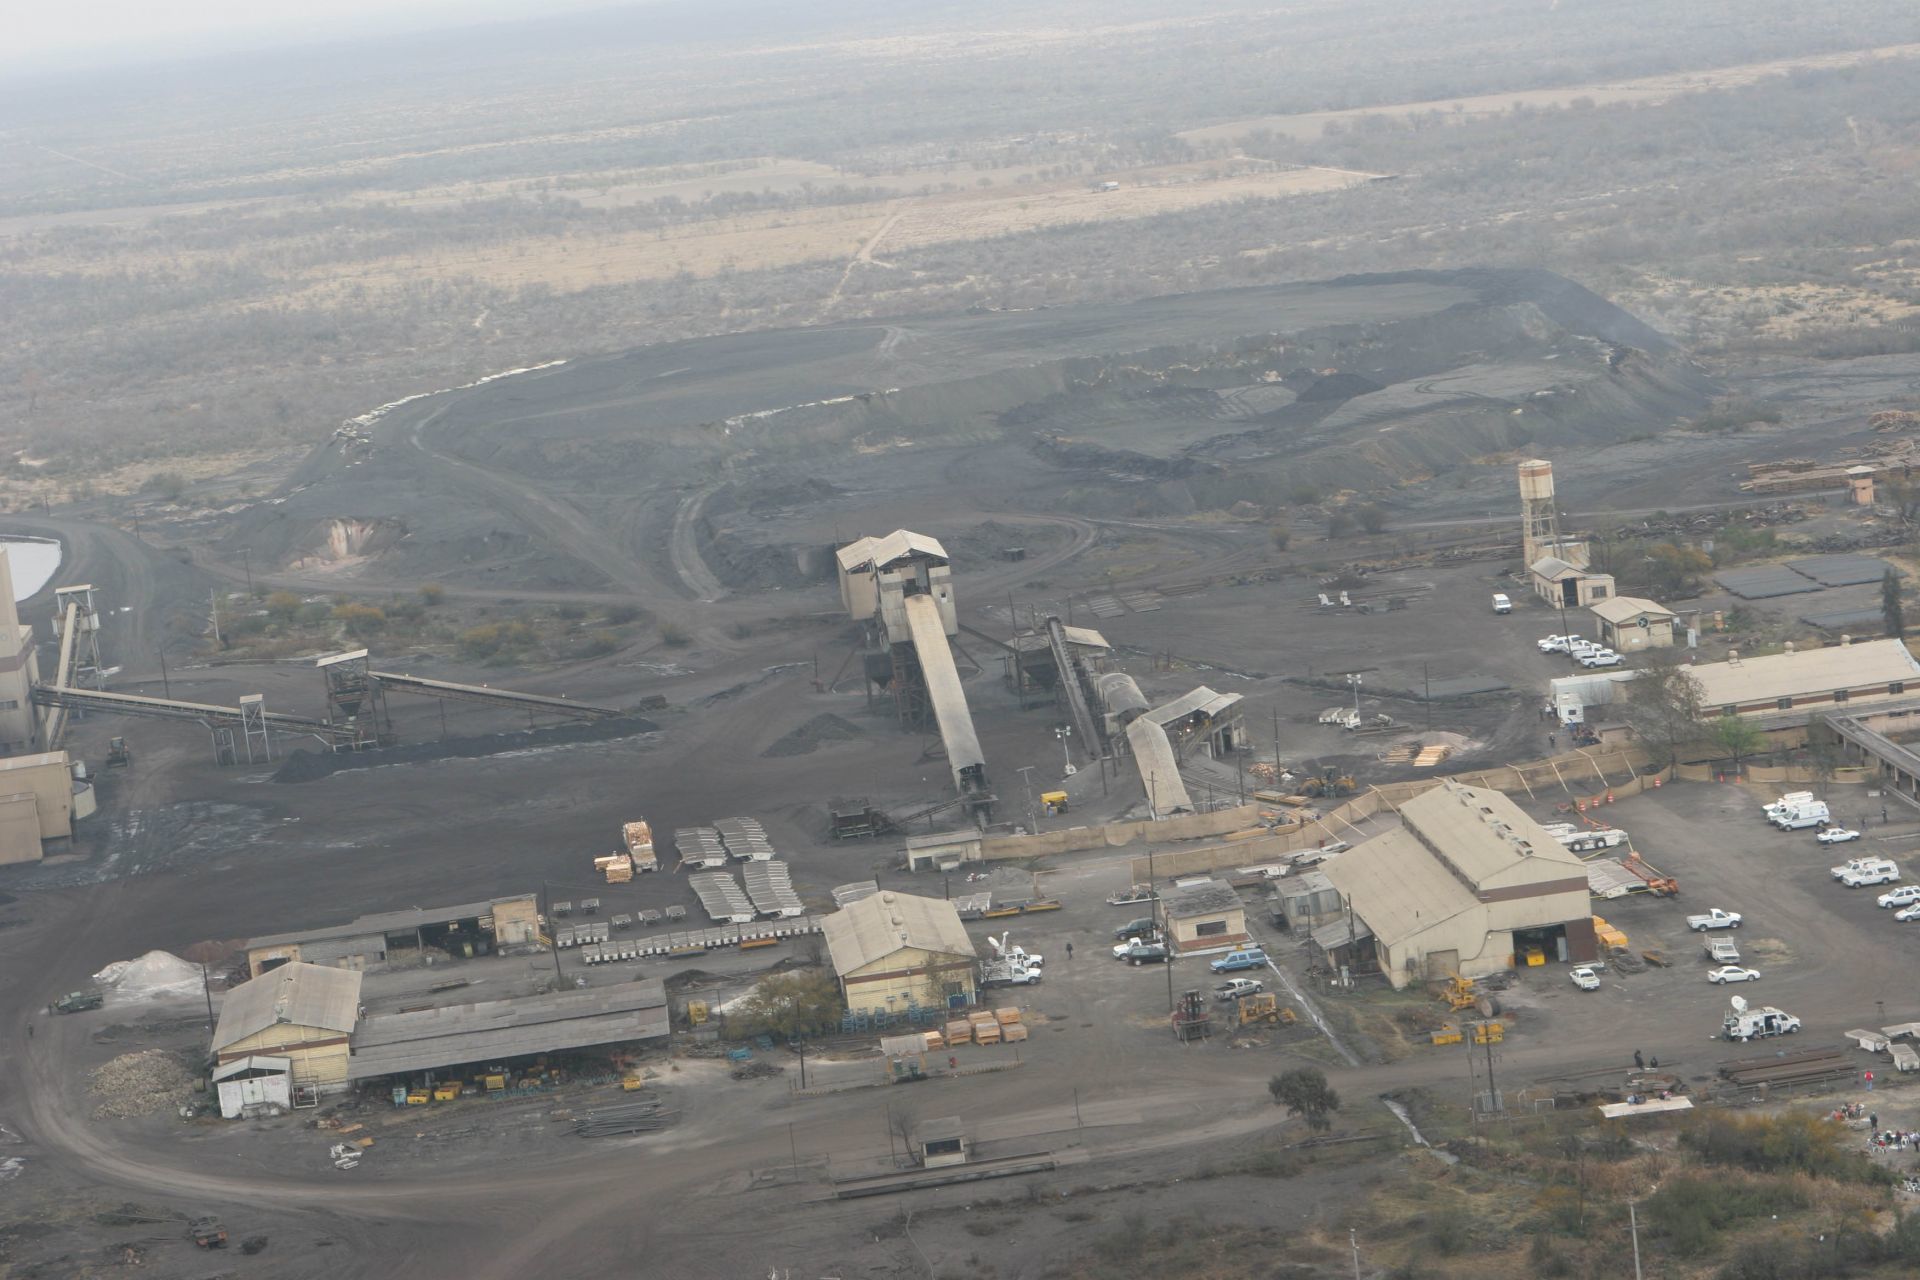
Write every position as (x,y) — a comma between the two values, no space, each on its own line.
(1069,951)
(1638,1061)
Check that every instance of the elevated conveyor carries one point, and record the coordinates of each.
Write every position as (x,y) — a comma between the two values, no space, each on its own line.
(207,713)
(56,726)
(1159,768)
(1075,685)
(964,757)
(447,689)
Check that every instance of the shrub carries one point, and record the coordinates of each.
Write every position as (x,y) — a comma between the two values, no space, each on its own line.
(432,593)
(360,620)
(674,635)
(480,642)
(283,606)
(620,615)
(600,644)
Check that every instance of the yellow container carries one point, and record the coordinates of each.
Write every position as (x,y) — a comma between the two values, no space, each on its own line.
(446,1092)
(418,1097)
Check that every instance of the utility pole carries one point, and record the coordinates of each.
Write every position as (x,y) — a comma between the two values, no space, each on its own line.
(246,558)
(1276,746)
(1353,1238)
(1426,684)
(207,986)
(553,943)
(166,685)
(1492,1096)
(213,603)
(1633,1222)
(1026,780)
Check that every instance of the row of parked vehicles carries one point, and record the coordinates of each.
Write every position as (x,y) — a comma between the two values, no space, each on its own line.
(1582,650)
(1141,942)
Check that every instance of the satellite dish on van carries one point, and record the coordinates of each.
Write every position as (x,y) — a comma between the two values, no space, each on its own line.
(1739,1004)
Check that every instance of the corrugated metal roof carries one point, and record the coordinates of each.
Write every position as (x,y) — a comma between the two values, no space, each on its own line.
(252,1062)
(296,994)
(902,544)
(1159,768)
(34,761)
(1804,672)
(856,555)
(392,1043)
(1485,835)
(1207,703)
(385,922)
(1397,887)
(873,928)
(1552,567)
(1086,637)
(1338,933)
(1627,608)
(1208,898)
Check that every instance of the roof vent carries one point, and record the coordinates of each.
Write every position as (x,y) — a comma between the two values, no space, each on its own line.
(1789,646)
(1733,657)
(1846,640)
(887,897)
(898,923)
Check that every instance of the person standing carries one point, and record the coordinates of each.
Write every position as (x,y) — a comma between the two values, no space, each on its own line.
(1638,1061)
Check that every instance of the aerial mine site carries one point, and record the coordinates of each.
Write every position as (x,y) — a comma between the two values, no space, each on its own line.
(1008,642)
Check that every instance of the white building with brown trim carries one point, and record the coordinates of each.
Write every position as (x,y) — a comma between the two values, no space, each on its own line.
(1630,623)
(1833,678)
(894,950)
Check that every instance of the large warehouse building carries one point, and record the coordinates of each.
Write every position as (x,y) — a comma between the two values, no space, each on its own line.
(1466,884)
(893,950)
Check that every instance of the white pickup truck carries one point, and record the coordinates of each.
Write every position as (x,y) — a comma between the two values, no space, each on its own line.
(1721,950)
(1869,871)
(1714,919)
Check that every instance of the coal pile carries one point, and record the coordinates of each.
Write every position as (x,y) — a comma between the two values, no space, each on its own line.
(815,733)
(311,766)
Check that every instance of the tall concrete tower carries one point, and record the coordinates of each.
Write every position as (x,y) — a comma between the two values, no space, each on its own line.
(19,671)
(1539,521)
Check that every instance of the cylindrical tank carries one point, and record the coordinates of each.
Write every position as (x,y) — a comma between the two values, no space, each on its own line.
(1536,480)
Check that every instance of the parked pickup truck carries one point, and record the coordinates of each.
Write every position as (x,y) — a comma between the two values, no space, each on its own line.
(1236,988)
(79,1001)
(1714,919)
(1871,871)
(1721,950)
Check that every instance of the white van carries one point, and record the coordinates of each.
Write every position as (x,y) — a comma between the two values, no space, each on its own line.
(1501,604)
(1812,813)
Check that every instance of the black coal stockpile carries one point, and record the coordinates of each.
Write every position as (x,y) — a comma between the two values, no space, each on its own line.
(310,766)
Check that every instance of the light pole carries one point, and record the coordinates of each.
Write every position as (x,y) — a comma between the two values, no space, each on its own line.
(1064,732)
(1353,682)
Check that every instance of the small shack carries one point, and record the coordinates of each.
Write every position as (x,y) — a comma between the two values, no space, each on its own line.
(254,1084)
(942,850)
(1307,900)
(1630,623)
(940,1141)
(1205,916)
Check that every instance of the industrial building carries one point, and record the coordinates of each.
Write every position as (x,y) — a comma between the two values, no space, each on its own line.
(39,800)
(1206,915)
(467,929)
(1837,677)
(260,1082)
(901,588)
(19,671)
(1558,567)
(1467,884)
(893,950)
(1629,623)
(302,1013)
(440,1039)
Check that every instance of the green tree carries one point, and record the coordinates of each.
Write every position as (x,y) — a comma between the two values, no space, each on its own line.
(1304,1092)
(1372,517)
(1737,738)
(1663,707)
(1671,570)
(1891,612)
(789,1004)
(283,606)
(1281,532)
(432,593)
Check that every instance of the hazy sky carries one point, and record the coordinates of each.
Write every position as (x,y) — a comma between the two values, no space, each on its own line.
(63,33)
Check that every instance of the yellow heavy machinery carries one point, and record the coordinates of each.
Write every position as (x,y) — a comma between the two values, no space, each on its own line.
(1265,1007)
(1457,993)
(1447,1033)
(1483,1033)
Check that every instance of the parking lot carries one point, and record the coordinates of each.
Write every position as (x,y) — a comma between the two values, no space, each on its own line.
(1826,953)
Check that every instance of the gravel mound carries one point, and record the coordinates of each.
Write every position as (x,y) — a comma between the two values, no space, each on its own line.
(157,975)
(814,733)
(141,1084)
